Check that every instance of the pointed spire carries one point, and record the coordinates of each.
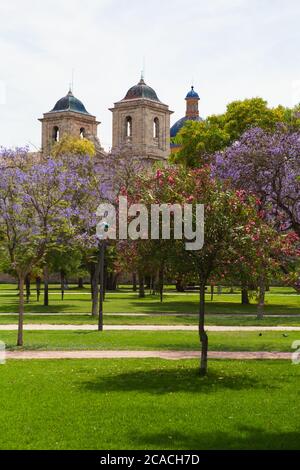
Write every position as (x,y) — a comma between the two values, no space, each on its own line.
(142,81)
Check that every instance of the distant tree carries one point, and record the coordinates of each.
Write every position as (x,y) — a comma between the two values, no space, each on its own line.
(65,260)
(254,112)
(200,140)
(69,145)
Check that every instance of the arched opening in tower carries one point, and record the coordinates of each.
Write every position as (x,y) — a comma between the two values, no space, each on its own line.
(55,134)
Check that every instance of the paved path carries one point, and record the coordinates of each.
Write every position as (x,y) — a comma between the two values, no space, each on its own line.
(48,327)
(171,355)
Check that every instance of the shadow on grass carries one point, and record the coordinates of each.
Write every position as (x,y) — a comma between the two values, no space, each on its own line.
(150,305)
(170,380)
(244,437)
(38,308)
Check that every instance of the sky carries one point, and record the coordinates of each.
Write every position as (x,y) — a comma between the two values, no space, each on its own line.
(229,50)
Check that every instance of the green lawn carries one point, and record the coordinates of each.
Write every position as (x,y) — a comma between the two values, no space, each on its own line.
(149,404)
(278,301)
(152,340)
(152,319)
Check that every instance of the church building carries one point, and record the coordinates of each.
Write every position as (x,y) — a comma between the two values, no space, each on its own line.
(140,123)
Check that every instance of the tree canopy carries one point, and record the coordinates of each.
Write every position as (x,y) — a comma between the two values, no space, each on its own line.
(200,140)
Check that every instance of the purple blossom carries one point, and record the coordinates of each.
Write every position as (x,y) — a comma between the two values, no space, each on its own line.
(268,165)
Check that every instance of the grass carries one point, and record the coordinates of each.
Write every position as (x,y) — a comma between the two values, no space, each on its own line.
(151,319)
(278,301)
(151,340)
(149,404)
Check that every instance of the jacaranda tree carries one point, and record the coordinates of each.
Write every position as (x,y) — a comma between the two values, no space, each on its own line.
(39,209)
(268,165)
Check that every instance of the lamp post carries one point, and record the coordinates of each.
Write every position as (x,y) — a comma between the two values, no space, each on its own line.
(101,262)
(102,246)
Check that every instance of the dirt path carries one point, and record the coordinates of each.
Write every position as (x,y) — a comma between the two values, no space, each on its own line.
(48,327)
(171,355)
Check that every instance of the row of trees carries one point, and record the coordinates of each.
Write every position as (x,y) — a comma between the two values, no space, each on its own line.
(239,242)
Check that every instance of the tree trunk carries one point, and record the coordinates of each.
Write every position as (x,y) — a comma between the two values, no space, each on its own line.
(161,283)
(245,295)
(134,282)
(95,272)
(46,286)
(115,281)
(21,312)
(152,285)
(27,284)
(38,282)
(92,270)
(148,282)
(261,299)
(141,285)
(62,283)
(202,332)
(179,285)
(153,288)
(80,283)
(212,290)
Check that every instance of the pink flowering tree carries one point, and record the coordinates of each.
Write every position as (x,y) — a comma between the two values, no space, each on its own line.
(233,225)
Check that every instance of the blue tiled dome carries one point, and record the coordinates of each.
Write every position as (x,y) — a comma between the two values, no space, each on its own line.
(192,94)
(141,90)
(180,123)
(192,113)
(69,103)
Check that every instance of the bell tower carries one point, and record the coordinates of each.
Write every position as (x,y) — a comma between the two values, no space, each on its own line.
(192,105)
(192,114)
(68,117)
(141,124)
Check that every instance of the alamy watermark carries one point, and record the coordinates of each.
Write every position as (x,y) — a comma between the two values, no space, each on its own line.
(296,354)
(160,222)
(2,352)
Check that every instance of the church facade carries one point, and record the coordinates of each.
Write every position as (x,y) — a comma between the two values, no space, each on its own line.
(140,123)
